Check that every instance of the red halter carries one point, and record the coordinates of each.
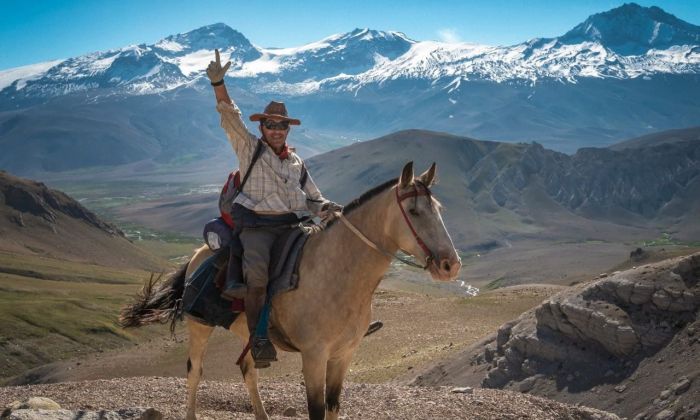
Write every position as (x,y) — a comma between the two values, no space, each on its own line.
(399,199)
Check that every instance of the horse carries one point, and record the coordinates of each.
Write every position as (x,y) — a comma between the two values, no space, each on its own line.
(326,317)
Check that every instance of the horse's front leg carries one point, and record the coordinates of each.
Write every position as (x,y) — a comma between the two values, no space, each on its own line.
(314,368)
(336,369)
(198,337)
(250,374)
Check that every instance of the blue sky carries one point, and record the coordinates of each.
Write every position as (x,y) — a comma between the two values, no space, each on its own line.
(36,31)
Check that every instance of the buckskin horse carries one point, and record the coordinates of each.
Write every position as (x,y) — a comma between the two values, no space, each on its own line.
(326,317)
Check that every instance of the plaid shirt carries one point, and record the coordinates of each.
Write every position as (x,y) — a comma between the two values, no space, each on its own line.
(273,185)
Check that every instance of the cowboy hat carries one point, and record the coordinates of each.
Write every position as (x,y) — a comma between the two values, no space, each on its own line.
(275,110)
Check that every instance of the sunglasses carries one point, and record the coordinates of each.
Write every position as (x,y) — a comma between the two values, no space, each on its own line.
(276,125)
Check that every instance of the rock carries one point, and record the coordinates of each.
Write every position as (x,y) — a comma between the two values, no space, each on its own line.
(503,336)
(665,394)
(641,293)
(527,384)
(599,327)
(35,403)
(681,386)
(661,299)
(489,354)
(151,414)
(462,390)
(689,269)
(529,367)
(665,415)
(660,403)
(60,414)
(638,255)
(290,412)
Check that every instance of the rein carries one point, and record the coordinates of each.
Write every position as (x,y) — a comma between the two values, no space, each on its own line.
(399,199)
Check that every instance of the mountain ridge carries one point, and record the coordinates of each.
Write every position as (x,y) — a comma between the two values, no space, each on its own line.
(496,193)
(633,29)
(153,102)
(597,47)
(37,220)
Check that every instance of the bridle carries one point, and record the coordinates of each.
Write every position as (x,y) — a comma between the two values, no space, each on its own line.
(399,198)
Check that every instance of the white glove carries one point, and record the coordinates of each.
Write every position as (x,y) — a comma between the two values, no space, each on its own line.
(215,72)
(332,207)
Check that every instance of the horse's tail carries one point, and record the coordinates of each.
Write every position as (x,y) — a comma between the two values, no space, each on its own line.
(159,301)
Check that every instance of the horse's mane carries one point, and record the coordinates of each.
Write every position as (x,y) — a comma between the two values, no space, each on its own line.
(366,196)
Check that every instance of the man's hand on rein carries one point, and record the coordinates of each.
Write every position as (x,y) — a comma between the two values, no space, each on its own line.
(331,208)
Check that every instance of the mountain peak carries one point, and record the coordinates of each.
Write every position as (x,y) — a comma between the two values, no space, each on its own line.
(367,34)
(632,29)
(217,35)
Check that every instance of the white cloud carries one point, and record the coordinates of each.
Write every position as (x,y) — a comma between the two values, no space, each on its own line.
(449,35)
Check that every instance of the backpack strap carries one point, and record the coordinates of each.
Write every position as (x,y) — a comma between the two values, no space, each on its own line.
(256,154)
(304,176)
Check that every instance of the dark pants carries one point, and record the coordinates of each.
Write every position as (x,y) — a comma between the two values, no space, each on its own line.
(257,244)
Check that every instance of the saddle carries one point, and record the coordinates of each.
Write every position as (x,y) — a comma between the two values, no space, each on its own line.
(202,298)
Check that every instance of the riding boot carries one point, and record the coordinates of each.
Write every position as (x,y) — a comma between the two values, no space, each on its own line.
(262,349)
(234,288)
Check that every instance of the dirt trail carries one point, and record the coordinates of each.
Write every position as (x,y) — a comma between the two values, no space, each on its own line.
(227,400)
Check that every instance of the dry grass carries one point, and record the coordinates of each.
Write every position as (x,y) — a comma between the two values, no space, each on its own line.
(55,310)
(421,326)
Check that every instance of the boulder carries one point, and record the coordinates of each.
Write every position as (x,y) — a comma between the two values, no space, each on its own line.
(604,323)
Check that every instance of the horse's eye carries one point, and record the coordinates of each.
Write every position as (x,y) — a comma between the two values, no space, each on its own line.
(414,212)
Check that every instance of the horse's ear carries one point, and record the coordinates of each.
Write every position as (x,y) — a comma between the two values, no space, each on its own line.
(406,175)
(427,178)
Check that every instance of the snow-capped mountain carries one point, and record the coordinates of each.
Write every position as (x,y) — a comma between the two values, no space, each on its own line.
(634,30)
(618,74)
(627,42)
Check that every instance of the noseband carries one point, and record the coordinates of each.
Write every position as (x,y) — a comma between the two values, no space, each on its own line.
(415,193)
(399,198)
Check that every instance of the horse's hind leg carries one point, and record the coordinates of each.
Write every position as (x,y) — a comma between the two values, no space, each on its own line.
(250,374)
(198,337)
(335,374)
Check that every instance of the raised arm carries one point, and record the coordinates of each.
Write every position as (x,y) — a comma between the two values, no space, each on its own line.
(241,140)
(216,75)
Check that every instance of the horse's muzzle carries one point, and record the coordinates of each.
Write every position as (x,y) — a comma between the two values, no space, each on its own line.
(445,268)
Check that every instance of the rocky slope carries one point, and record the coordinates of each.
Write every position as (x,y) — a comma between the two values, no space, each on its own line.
(627,342)
(37,220)
(516,190)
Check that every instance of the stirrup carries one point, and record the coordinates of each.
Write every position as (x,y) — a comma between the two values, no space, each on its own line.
(374,326)
(263,352)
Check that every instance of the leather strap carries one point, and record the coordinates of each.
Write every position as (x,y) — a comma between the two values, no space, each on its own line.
(369,242)
(256,155)
(399,199)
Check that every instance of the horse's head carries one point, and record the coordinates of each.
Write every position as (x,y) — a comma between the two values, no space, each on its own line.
(418,226)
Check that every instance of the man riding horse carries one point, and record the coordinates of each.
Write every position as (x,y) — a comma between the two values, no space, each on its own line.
(271,201)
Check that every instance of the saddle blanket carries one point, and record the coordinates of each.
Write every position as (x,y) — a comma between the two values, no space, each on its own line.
(202,297)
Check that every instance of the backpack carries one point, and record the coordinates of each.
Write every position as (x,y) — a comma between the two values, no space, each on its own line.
(234,185)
